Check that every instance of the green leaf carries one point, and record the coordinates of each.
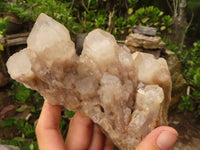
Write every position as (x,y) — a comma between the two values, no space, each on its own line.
(166,41)
(1,47)
(22,108)
(156,23)
(167,20)
(1,35)
(181,106)
(132,19)
(161,13)
(122,31)
(22,93)
(132,2)
(196,93)
(186,103)
(20,123)
(69,114)
(162,28)
(29,131)
(144,20)
(169,30)
(89,1)
(130,11)
(197,78)
(8,122)
(3,25)
(19,139)
(197,44)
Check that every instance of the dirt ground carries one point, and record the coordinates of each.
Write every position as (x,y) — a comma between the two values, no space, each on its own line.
(188,129)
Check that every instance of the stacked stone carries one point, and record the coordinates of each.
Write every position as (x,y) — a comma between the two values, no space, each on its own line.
(144,39)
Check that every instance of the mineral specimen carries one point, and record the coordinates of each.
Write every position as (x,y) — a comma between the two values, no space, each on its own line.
(126,95)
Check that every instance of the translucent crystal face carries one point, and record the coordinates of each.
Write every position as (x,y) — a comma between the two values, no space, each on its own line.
(126,95)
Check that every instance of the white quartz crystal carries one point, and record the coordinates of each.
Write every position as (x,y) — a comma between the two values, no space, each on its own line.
(126,95)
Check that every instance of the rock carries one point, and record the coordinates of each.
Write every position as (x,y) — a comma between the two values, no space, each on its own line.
(80,37)
(126,95)
(173,63)
(134,49)
(179,83)
(149,31)
(155,53)
(152,45)
(8,147)
(138,40)
(168,52)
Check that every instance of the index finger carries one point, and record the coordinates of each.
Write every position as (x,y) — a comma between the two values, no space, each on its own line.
(79,133)
(47,129)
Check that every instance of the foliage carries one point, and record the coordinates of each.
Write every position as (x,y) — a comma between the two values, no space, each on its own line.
(24,144)
(132,2)
(27,131)
(58,10)
(3,25)
(22,125)
(83,16)
(95,19)
(190,60)
(18,9)
(3,28)
(173,48)
(32,101)
(152,17)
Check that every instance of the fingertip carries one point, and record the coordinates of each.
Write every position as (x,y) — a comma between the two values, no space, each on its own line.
(47,129)
(49,117)
(81,119)
(79,133)
(161,138)
(167,139)
(166,128)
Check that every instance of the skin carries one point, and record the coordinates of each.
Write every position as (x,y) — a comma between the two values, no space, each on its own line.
(83,134)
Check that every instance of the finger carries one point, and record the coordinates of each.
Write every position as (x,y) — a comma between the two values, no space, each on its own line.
(161,138)
(47,129)
(97,139)
(108,144)
(79,133)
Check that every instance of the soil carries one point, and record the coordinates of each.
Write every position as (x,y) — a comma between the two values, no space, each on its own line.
(188,129)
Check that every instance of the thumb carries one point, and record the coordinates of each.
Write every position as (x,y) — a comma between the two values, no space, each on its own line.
(161,138)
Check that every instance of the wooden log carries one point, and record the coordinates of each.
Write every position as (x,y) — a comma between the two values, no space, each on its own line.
(15,39)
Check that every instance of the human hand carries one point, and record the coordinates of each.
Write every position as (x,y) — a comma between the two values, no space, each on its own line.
(83,134)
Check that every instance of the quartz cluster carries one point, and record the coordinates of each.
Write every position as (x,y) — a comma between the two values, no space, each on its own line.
(126,94)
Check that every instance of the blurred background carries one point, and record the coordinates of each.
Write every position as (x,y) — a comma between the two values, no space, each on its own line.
(175,23)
